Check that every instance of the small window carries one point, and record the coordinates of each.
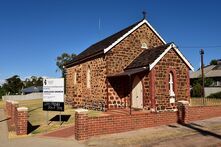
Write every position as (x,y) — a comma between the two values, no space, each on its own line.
(144,45)
(88,78)
(171,85)
(75,78)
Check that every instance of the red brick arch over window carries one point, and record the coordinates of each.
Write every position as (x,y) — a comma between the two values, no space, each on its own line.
(173,71)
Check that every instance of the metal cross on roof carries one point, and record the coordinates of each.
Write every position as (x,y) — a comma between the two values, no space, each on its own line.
(144,14)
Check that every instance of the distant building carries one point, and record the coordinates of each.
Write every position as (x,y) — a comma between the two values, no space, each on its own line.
(32,89)
(213,72)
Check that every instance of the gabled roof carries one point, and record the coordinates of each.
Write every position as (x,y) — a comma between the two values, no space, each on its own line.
(150,57)
(108,43)
(209,71)
(147,57)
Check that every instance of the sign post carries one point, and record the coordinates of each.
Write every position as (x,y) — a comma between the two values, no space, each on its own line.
(53,95)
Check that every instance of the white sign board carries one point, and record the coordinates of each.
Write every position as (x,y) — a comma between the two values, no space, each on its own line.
(53,94)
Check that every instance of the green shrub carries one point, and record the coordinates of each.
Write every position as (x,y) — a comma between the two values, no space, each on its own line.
(215,95)
(196,90)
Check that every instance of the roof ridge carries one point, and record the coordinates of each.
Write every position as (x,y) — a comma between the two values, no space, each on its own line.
(101,44)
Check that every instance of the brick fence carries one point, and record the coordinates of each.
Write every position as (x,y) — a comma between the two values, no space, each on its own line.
(86,127)
(17,117)
(188,114)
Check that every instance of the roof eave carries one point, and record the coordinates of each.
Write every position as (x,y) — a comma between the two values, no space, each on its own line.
(83,60)
(172,45)
(132,30)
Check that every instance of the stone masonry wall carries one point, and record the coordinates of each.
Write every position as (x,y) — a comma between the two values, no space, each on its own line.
(171,62)
(127,50)
(79,93)
(120,56)
(114,61)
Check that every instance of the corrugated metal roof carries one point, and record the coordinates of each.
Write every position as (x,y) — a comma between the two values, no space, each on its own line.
(32,89)
(148,56)
(209,71)
(128,72)
(98,48)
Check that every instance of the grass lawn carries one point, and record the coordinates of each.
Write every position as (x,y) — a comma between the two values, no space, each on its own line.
(2,104)
(37,117)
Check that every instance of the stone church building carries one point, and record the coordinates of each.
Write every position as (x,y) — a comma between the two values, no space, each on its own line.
(133,68)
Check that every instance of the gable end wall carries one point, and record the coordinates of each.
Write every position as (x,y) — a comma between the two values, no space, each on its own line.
(171,62)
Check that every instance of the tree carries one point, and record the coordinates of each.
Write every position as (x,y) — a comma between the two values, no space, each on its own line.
(196,91)
(62,60)
(207,81)
(213,62)
(2,92)
(33,81)
(13,85)
(197,86)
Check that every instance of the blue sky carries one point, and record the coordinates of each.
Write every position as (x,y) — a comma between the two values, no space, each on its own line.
(34,32)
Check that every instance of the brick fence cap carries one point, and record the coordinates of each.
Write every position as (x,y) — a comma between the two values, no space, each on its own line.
(22,109)
(14,102)
(184,102)
(9,101)
(81,110)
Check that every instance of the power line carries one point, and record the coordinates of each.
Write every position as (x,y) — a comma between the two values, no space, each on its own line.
(209,46)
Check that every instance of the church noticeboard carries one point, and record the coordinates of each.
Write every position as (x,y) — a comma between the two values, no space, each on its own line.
(53,94)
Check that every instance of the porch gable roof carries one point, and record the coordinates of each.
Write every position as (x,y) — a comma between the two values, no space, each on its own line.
(129,72)
(150,57)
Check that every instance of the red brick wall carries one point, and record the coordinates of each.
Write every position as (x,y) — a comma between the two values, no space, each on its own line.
(11,108)
(86,127)
(201,112)
(18,117)
(21,121)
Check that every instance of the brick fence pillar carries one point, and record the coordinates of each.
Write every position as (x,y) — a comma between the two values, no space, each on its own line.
(81,124)
(183,112)
(22,121)
(14,106)
(8,106)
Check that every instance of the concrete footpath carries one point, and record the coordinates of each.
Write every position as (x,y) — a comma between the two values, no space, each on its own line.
(32,141)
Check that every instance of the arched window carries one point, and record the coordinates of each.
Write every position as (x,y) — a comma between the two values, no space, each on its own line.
(171,84)
(75,78)
(88,78)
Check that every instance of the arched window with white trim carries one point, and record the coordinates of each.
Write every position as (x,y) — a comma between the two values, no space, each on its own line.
(88,78)
(171,85)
